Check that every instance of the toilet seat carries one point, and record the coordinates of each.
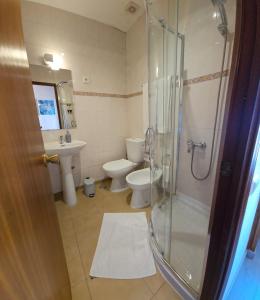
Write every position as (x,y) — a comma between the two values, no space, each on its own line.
(140,182)
(140,179)
(117,167)
(117,170)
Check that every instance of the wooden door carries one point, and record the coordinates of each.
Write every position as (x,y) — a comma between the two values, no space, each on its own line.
(32,262)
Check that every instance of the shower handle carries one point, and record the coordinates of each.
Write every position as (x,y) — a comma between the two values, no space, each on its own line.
(192,145)
(148,142)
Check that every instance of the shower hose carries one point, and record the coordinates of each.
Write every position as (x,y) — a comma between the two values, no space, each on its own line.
(216,119)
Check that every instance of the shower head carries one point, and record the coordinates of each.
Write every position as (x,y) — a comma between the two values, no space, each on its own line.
(59,84)
(222,12)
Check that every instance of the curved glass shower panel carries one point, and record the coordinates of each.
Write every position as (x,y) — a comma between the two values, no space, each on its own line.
(162,90)
(192,40)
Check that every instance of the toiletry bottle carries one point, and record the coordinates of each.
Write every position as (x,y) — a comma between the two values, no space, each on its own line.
(68,137)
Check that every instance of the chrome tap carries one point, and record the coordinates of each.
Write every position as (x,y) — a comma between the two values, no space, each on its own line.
(148,143)
(192,145)
(61,139)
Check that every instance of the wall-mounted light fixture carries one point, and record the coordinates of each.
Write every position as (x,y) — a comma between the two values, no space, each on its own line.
(54,61)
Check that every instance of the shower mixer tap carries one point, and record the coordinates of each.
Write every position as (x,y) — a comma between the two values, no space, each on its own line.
(192,145)
(148,142)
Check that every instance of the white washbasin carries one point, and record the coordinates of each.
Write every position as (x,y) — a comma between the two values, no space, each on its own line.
(65,152)
(64,149)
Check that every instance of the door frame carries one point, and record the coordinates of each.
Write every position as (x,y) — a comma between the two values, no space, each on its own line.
(234,171)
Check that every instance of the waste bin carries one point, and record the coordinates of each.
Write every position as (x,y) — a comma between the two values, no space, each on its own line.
(89,187)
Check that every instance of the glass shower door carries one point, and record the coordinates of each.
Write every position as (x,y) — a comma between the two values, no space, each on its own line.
(163,81)
(181,201)
(169,217)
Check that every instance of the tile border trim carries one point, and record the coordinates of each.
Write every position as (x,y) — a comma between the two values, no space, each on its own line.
(140,93)
(106,95)
(186,82)
(207,77)
(95,94)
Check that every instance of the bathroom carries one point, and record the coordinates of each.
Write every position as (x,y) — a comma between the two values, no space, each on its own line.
(131,112)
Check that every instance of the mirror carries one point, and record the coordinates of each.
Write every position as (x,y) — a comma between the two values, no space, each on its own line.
(53,93)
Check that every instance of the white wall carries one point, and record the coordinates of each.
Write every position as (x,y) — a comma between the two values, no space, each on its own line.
(136,75)
(90,49)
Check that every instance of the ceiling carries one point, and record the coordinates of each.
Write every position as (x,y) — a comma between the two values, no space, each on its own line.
(111,12)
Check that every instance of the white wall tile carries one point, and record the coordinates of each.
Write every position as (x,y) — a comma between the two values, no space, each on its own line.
(135,116)
(136,74)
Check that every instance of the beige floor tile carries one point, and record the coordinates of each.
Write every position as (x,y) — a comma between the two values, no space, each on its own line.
(118,202)
(87,224)
(66,228)
(80,226)
(75,269)
(63,210)
(166,293)
(111,203)
(111,289)
(69,241)
(80,291)
(88,240)
(154,282)
(85,206)
(87,254)
(71,252)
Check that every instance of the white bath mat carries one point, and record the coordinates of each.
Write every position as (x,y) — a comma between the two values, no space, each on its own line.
(123,250)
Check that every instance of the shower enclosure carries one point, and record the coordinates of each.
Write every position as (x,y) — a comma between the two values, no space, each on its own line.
(187,84)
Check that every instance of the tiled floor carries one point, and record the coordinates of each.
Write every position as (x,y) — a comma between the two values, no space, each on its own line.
(80,227)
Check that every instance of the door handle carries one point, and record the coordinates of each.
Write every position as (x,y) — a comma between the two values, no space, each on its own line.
(53,159)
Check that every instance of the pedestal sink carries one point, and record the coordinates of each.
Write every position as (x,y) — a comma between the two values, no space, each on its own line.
(65,152)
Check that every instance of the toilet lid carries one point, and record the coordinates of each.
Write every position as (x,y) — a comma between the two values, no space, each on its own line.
(140,177)
(118,165)
(143,176)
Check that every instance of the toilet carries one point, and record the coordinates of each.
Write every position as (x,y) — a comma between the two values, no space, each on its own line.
(118,169)
(140,182)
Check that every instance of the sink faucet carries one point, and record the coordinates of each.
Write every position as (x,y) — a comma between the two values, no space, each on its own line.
(61,139)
